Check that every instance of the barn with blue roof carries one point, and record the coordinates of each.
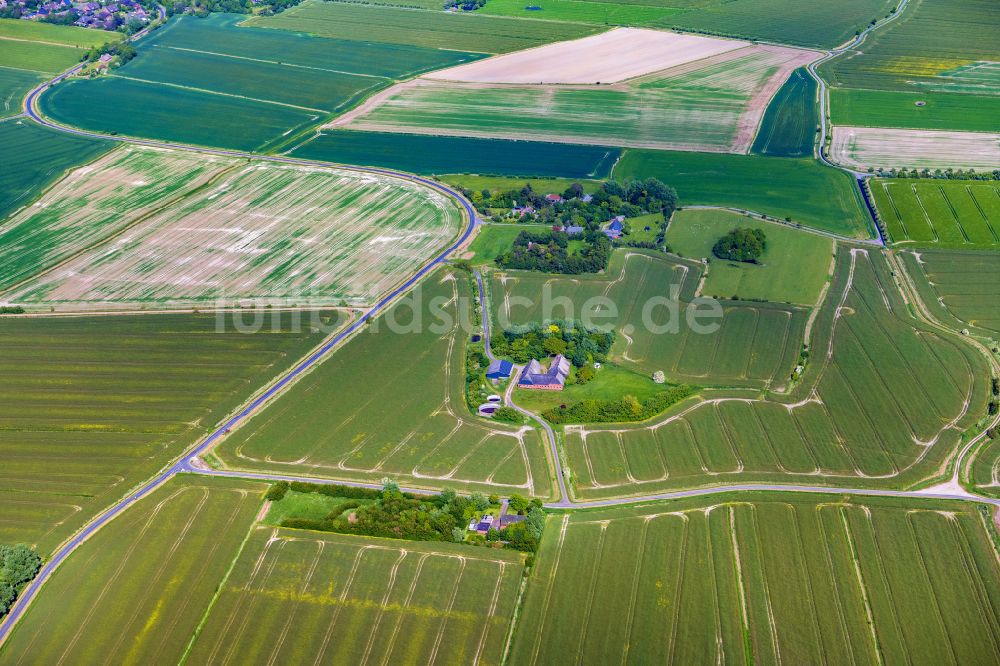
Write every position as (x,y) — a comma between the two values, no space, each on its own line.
(500,369)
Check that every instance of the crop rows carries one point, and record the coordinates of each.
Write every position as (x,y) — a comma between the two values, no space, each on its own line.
(847,419)
(747,581)
(90,406)
(963,286)
(390,403)
(947,214)
(154,569)
(298,596)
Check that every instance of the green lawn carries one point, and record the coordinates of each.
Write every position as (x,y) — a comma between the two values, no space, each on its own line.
(802,189)
(310,506)
(793,269)
(611,382)
(496,239)
(940,110)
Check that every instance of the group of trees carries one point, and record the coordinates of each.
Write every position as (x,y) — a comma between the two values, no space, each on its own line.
(464,5)
(206,7)
(18,565)
(124,51)
(581,346)
(548,252)
(741,244)
(941,174)
(391,513)
(630,199)
(628,408)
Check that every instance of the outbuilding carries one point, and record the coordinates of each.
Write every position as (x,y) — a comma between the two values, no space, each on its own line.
(500,369)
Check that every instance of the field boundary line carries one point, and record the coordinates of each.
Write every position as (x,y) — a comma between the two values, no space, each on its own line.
(41,41)
(877,647)
(167,84)
(273,62)
(218,593)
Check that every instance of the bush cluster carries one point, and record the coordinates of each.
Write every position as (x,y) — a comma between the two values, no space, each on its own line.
(547,251)
(18,565)
(567,337)
(628,408)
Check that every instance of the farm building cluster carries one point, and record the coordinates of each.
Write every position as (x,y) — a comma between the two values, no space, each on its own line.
(536,376)
(103,15)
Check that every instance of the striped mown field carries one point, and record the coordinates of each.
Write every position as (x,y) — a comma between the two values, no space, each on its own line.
(960,287)
(765,578)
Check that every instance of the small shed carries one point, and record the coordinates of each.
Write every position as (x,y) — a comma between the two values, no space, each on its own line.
(500,369)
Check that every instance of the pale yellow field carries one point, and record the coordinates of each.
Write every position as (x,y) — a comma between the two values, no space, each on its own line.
(863,147)
(609,57)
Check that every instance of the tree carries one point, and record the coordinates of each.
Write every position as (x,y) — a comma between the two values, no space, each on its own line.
(494,499)
(741,244)
(479,501)
(584,374)
(554,345)
(518,504)
(659,377)
(458,534)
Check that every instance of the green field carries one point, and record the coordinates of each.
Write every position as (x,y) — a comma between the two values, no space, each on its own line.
(14,85)
(801,189)
(700,108)
(765,578)
(150,227)
(793,269)
(244,88)
(755,345)
(448,154)
(46,48)
(586,11)
(222,121)
(90,406)
(962,287)
(789,125)
(984,472)
(933,45)
(154,568)
(409,421)
(496,239)
(430,29)
(296,595)
(939,213)
(36,31)
(940,111)
(493,183)
(610,383)
(845,423)
(34,157)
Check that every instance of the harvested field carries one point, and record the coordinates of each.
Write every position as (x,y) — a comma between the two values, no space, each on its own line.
(468,31)
(421,153)
(154,568)
(96,202)
(295,595)
(863,147)
(939,213)
(610,57)
(274,234)
(91,406)
(34,157)
(845,422)
(713,104)
(765,578)
(793,268)
(755,345)
(409,422)
(962,287)
(800,189)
